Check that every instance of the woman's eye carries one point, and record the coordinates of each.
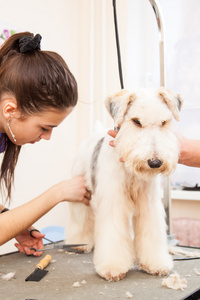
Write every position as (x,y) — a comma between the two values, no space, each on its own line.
(136,122)
(44,129)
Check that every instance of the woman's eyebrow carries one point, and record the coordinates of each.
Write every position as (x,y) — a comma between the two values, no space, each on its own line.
(52,126)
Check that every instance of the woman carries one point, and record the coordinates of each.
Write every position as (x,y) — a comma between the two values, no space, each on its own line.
(37,92)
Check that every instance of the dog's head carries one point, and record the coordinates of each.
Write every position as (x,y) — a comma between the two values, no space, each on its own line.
(119,103)
(146,140)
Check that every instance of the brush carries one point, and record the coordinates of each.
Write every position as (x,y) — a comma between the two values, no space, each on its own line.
(39,271)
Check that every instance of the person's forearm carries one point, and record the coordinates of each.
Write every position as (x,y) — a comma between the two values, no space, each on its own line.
(16,220)
(190,152)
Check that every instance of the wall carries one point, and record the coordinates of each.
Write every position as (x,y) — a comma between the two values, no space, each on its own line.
(142,46)
(98,68)
(182,42)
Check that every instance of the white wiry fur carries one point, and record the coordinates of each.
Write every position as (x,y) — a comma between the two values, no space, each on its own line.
(129,190)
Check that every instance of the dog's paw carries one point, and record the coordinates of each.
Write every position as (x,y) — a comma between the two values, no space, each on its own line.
(111,272)
(85,249)
(155,271)
(109,276)
(112,267)
(155,262)
(158,267)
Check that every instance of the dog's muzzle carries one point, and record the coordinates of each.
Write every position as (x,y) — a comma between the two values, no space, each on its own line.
(155,163)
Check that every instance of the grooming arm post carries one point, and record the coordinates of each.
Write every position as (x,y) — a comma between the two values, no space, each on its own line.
(166,180)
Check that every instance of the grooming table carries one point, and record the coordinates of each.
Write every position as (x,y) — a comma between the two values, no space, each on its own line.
(66,269)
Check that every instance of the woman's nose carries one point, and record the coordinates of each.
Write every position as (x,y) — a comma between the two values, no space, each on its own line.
(46,135)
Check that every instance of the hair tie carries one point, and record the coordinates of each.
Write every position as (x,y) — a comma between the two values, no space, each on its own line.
(29,43)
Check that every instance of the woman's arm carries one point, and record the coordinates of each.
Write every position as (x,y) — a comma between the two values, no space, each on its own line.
(18,219)
(189,152)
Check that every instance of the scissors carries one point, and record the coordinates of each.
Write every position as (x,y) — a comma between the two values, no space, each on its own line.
(67,247)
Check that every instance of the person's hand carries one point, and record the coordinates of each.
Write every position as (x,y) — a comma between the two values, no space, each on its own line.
(113,134)
(26,241)
(75,190)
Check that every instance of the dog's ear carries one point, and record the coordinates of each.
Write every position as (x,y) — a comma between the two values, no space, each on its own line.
(172,100)
(118,105)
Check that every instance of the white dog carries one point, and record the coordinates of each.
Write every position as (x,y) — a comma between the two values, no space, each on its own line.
(148,145)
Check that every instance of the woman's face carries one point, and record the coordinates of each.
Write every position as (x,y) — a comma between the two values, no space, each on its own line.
(35,127)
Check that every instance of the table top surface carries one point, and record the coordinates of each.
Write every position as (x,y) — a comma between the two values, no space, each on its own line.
(66,269)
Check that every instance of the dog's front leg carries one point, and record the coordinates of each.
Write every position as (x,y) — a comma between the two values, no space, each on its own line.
(113,253)
(150,238)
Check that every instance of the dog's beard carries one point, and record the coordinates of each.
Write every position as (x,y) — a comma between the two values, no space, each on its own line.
(140,167)
(135,154)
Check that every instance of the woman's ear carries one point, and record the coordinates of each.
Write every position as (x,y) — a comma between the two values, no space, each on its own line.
(10,109)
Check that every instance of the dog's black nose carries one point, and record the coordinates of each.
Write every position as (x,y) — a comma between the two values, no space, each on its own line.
(154,163)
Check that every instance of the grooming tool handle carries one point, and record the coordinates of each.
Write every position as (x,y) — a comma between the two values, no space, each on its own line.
(43,263)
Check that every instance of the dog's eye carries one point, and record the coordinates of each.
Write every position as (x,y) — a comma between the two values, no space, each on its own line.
(163,123)
(137,122)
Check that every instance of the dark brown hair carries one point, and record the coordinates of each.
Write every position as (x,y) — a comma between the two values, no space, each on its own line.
(38,80)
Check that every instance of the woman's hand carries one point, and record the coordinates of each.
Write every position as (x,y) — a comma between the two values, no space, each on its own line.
(26,241)
(75,190)
(113,134)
